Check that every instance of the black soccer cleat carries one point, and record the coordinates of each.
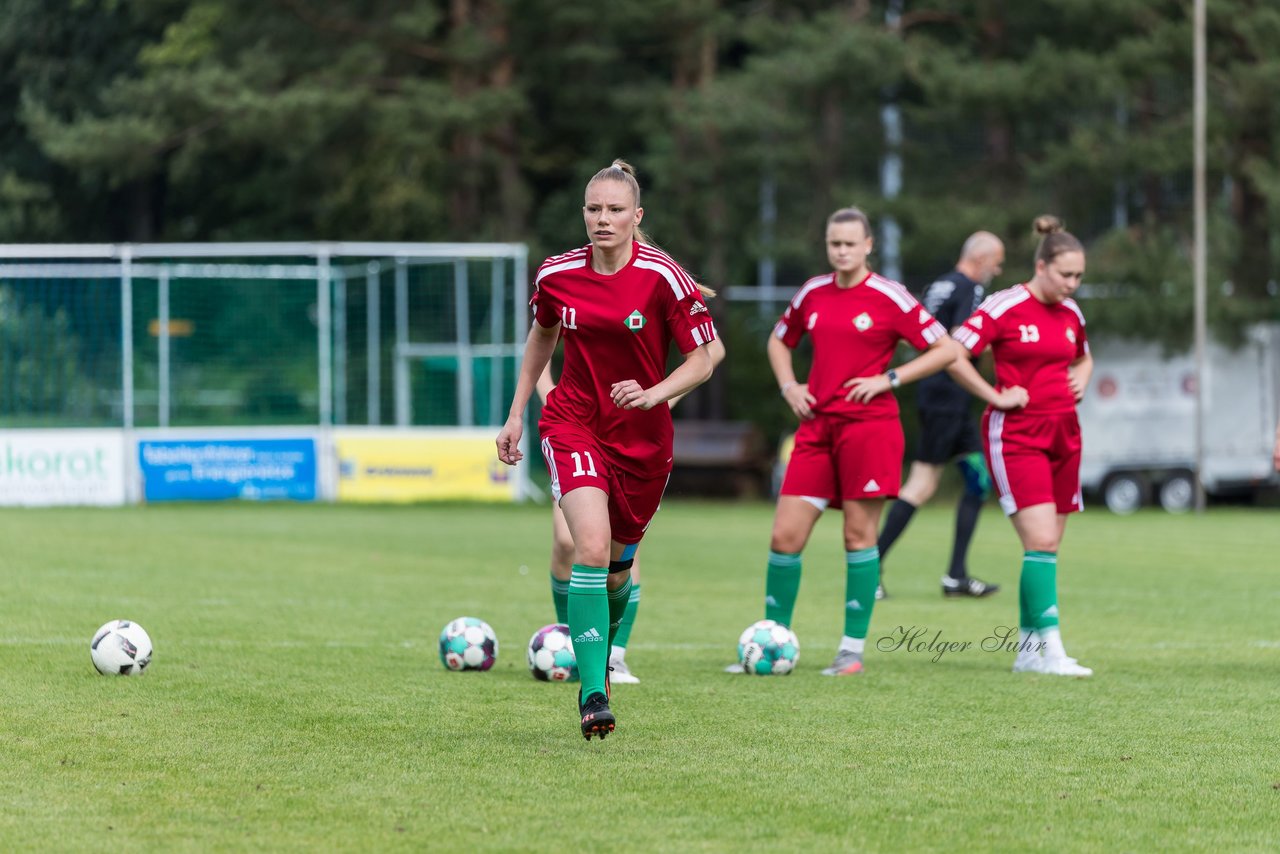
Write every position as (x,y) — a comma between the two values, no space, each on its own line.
(968,586)
(597,719)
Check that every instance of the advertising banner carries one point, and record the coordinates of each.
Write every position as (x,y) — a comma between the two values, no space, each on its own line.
(403,466)
(215,469)
(61,467)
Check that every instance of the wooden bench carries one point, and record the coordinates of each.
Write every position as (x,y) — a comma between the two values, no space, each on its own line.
(719,458)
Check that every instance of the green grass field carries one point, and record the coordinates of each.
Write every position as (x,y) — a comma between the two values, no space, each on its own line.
(296,700)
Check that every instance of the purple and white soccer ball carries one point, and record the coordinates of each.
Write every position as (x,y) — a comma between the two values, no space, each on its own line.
(468,643)
(551,657)
(120,648)
(768,648)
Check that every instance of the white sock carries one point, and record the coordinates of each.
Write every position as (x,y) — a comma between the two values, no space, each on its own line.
(617,652)
(848,644)
(1053,643)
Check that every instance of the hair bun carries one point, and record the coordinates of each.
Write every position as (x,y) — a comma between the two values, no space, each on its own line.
(624,166)
(1047,224)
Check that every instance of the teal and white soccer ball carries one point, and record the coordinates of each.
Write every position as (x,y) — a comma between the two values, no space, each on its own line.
(551,657)
(468,643)
(120,648)
(768,648)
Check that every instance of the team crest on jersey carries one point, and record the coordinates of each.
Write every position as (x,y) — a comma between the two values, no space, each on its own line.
(862,322)
(1071,335)
(635,321)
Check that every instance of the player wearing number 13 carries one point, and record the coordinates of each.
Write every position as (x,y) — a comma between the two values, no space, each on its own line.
(1030,430)
(606,429)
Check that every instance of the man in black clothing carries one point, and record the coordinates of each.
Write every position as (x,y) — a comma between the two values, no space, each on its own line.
(948,426)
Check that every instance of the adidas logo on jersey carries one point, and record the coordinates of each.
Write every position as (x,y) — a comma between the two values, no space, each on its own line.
(924,316)
(871,486)
(976,322)
(589,636)
(1071,335)
(698,307)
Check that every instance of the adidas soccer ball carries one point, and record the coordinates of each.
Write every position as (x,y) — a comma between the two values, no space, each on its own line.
(120,648)
(551,657)
(468,643)
(768,648)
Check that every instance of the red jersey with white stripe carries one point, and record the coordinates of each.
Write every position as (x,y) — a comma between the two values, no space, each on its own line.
(855,331)
(618,327)
(1033,345)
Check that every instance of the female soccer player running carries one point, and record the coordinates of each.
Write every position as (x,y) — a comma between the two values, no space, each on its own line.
(606,433)
(849,445)
(1030,431)
(562,550)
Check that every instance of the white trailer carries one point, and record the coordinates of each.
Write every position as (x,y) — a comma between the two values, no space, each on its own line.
(1138,420)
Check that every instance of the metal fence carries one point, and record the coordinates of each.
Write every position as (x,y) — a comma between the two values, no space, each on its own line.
(327,334)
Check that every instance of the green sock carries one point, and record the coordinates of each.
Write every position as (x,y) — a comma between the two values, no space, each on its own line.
(1038,590)
(781,585)
(560,597)
(1026,620)
(628,618)
(862,574)
(618,600)
(589,625)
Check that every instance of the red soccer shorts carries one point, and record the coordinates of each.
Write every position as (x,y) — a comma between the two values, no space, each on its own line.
(575,458)
(842,460)
(1035,459)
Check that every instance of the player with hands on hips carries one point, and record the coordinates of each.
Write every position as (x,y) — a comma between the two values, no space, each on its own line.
(1030,431)
(619,304)
(848,447)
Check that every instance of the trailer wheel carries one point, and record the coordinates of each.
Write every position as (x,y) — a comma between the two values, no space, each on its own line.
(1124,493)
(1178,493)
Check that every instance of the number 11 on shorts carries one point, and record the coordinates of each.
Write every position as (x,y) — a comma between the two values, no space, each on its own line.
(578,470)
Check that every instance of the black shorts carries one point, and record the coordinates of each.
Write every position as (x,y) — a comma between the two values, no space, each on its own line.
(946,434)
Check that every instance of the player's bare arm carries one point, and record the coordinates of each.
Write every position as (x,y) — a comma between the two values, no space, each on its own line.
(794,392)
(538,348)
(937,357)
(545,383)
(692,372)
(715,348)
(1078,374)
(964,373)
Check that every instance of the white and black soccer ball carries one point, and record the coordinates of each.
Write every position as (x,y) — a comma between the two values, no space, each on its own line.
(768,648)
(121,648)
(468,643)
(551,657)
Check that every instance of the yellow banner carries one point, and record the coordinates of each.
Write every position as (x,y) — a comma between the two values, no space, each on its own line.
(420,468)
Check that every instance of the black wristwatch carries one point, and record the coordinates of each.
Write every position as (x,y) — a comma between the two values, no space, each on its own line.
(894,382)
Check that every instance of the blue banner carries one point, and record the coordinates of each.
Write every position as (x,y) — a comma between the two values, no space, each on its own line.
(209,470)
